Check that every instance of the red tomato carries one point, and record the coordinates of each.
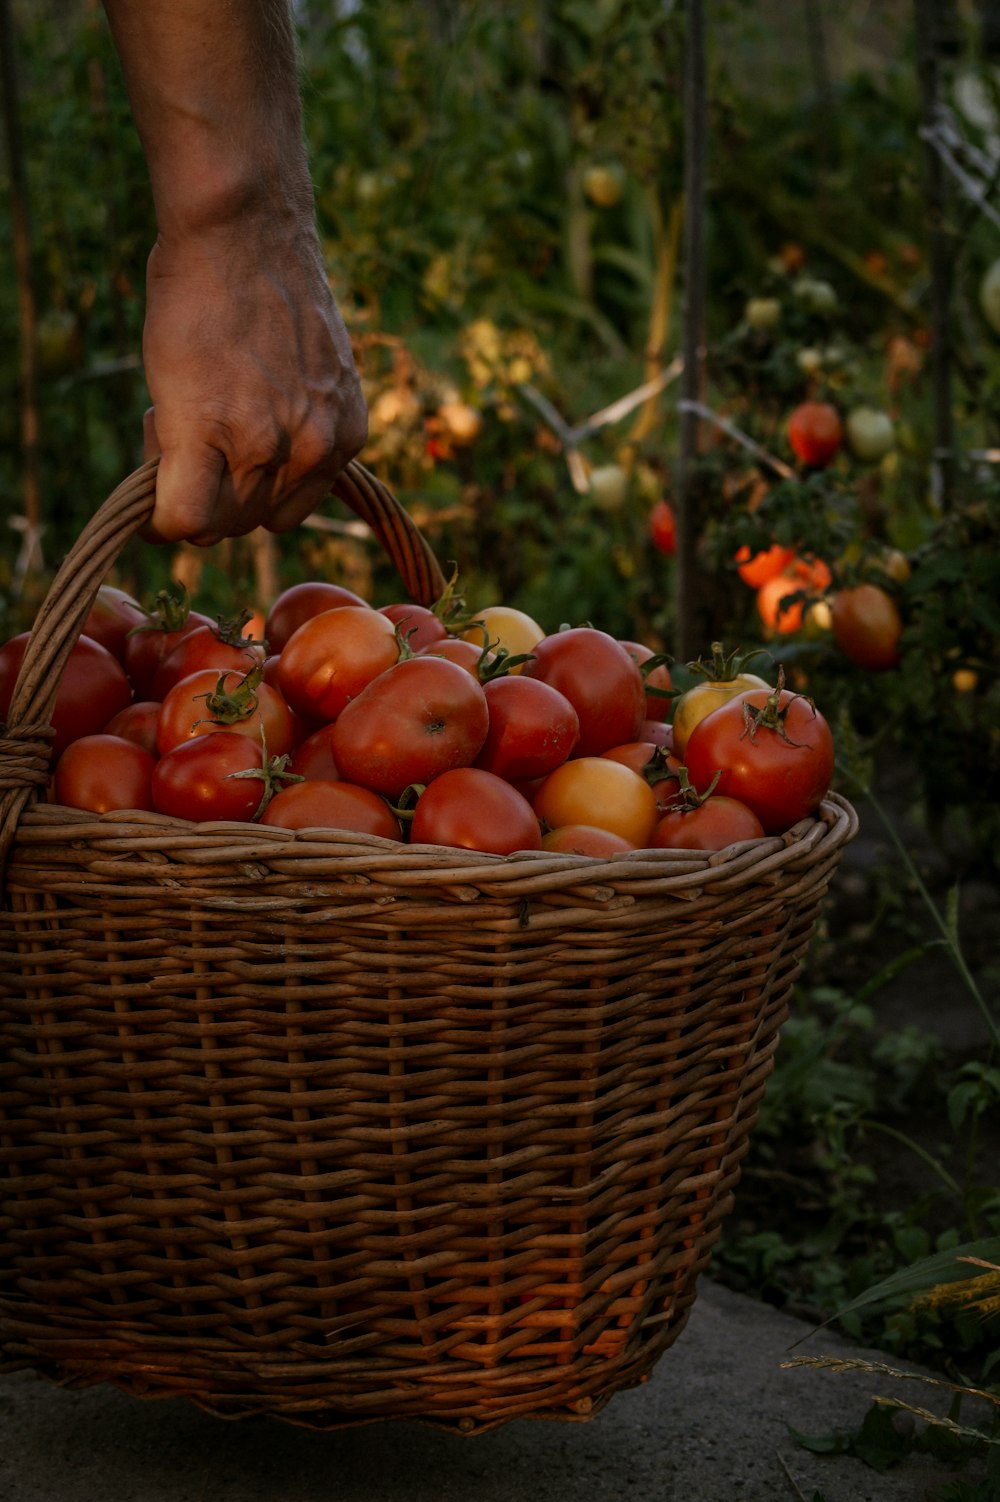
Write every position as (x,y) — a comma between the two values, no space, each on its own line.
(209,701)
(137,722)
(773,751)
(93,687)
(815,433)
(467,654)
(202,779)
(712,825)
(319,804)
(584,839)
(112,616)
(101,772)
(332,657)
(532,728)
(420,718)
(299,603)
(146,647)
(758,568)
(600,679)
(593,790)
(313,757)
(657,680)
(417,624)
(663,528)
(471,809)
(867,626)
(213,646)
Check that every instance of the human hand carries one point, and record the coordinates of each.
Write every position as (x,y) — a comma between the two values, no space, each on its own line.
(257,405)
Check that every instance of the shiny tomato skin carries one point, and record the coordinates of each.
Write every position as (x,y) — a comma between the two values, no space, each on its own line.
(137,722)
(198,779)
(701,699)
(418,719)
(661,772)
(585,839)
(867,626)
(713,825)
(93,687)
(203,647)
(112,616)
(470,809)
(330,804)
(781,774)
(186,713)
(417,624)
(815,433)
(313,757)
(332,657)
(299,603)
(657,704)
(594,790)
(533,728)
(599,678)
(103,772)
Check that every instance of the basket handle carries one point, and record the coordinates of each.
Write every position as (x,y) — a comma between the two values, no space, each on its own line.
(24,741)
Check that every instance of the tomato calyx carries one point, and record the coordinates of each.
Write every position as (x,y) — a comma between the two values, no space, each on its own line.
(169,612)
(771,715)
(229,630)
(649,666)
(274,775)
(687,797)
(228,707)
(724,668)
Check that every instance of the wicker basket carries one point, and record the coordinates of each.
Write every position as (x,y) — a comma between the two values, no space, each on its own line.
(336,1129)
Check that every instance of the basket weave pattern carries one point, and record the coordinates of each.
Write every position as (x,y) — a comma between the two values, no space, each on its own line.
(326,1127)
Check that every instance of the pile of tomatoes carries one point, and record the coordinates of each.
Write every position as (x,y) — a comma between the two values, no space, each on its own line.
(486,733)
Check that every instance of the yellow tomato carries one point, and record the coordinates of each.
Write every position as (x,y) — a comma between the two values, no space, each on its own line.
(594,791)
(508,630)
(700,700)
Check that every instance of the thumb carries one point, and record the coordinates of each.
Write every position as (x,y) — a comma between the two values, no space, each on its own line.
(187,495)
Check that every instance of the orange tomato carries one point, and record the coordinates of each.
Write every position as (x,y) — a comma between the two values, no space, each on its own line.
(593,790)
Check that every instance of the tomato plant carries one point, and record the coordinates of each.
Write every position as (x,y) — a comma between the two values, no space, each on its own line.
(815,433)
(321,804)
(101,772)
(418,719)
(93,687)
(867,626)
(532,729)
(757,568)
(768,748)
(600,679)
(473,809)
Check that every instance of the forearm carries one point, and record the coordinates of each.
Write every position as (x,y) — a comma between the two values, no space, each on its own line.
(214,94)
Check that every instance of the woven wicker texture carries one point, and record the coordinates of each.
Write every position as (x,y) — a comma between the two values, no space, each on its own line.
(335,1129)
